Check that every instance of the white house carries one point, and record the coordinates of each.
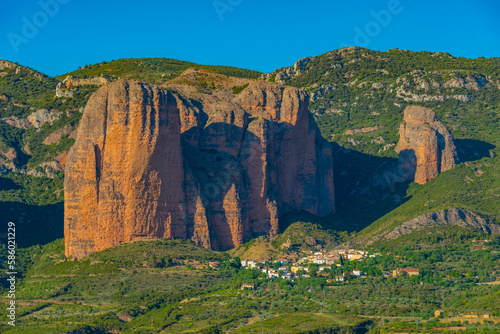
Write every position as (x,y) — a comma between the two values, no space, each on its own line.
(273,274)
(248,264)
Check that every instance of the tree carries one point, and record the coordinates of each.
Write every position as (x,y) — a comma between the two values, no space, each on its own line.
(152,261)
(237,262)
(313,271)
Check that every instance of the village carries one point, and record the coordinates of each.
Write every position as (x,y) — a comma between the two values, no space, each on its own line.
(321,264)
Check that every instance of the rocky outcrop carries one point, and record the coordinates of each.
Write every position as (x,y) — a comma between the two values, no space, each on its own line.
(362,130)
(70,81)
(256,156)
(124,174)
(21,123)
(471,81)
(47,169)
(425,147)
(10,154)
(36,119)
(69,85)
(409,96)
(457,217)
(55,136)
(8,160)
(6,65)
(42,116)
(61,159)
(216,168)
(288,73)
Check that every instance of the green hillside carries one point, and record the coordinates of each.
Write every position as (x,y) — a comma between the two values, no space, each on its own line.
(169,286)
(21,88)
(125,287)
(356,88)
(156,70)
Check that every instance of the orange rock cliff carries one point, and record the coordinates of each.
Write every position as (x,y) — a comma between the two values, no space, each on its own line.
(218,168)
(425,147)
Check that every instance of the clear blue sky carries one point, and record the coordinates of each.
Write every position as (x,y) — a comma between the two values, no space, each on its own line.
(256,34)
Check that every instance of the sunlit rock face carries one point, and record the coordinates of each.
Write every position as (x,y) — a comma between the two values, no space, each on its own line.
(425,147)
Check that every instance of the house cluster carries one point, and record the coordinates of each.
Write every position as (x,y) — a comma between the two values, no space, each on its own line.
(281,272)
(325,260)
(334,256)
(286,270)
(266,267)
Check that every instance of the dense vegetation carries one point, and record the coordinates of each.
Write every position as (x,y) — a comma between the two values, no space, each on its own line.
(168,286)
(24,87)
(156,70)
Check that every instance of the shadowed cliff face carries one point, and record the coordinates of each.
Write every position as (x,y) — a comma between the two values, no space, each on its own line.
(253,156)
(216,168)
(426,147)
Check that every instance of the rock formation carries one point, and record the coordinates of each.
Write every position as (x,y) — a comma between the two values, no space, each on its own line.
(450,217)
(36,119)
(425,147)
(70,84)
(56,136)
(185,162)
(124,174)
(70,81)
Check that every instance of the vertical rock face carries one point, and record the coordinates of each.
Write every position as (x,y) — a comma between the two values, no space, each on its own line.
(253,157)
(425,147)
(216,168)
(124,175)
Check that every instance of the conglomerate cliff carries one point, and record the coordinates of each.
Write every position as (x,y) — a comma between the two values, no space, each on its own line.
(426,147)
(209,158)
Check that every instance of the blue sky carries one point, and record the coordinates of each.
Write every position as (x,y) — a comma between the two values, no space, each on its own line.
(57,36)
